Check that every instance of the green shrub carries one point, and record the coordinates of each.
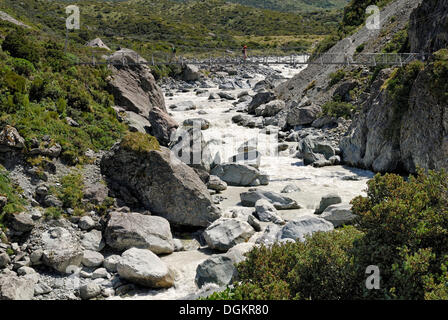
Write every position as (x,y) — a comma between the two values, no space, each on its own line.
(70,192)
(406,235)
(18,45)
(338,109)
(15,203)
(336,77)
(23,67)
(53,213)
(320,268)
(139,142)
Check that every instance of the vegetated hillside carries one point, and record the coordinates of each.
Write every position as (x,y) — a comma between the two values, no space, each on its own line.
(149,25)
(294,5)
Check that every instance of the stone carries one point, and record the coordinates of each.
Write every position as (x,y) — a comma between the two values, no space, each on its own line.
(133,85)
(217,269)
(10,139)
(61,250)
(302,115)
(110,263)
(236,174)
(144,268)
(215,183)
(280,202)
(226,233)
(92,259)
(259,99)
(338,214)
(266,212)
(4,260)
(269,235)
(97,43)
(328,200)
(190,72)
(36,256)
(183,106)
(16,288)
(42,288)
(128,230)
(290,188)
(21,222)
(168,187)
(90,290)
(100,273)
(270,109)
(93,240)
(303,226)
(197,122)
(86,223)
(162,125)
(237,253)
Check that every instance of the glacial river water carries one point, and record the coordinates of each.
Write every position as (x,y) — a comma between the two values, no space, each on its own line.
(283,169)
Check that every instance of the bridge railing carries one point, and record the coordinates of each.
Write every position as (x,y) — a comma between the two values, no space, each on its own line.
(341,58)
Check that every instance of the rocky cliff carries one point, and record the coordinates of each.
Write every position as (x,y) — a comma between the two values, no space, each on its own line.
(404,123)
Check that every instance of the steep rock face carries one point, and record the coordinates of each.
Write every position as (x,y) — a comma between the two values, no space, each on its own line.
(133,86)
(162,183)
(428,27)
(306,92)
(368,143)
(424,128)
(135,90)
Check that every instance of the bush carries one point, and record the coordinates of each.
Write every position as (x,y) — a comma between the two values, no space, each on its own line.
(406,234)
(70,192)
(338,109)
(320,268)
(16,203)
(139,142)
(19,46)
(336,77)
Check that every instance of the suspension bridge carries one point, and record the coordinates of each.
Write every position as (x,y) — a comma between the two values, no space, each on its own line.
(297,59)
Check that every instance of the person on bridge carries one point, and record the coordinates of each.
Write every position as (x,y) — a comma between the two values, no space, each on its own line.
(245,52)
(173,53)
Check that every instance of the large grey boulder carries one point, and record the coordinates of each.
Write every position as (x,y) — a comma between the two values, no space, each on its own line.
(215,183)
(4,260)
(338,214)
(143,267)
(226,233)
(216,269)
(126,230)
(93,240)
(279,201)
(162,125)
(236,174)
(92,259)
(162,183)
(266,212)
(191,73)
(13,287)
(328,200)
(61,249)
(303,115)
(269,235)
(22,222)
(259,99)
(303,226)
(133,85)
(135,90)
(270,109)
(314,151)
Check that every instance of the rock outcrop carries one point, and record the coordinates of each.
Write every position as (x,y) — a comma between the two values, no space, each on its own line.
(135,90)
(162,183)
